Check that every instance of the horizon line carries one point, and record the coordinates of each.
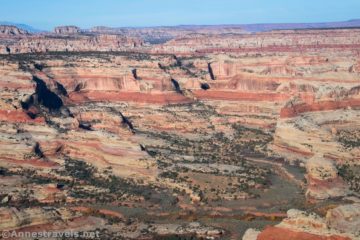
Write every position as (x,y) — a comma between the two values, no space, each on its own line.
(16,24)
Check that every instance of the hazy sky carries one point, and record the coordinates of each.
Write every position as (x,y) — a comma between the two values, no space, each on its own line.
(45,14)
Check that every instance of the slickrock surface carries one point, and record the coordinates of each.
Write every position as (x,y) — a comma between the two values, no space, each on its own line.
(203,136)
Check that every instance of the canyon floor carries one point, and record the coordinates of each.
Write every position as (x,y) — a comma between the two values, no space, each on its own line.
(206,135)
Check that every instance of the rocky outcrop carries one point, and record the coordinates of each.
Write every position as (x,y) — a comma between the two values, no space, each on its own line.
(67,30)
(323,179)
(12,31)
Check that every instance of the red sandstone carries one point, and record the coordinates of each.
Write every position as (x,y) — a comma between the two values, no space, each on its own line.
(240,96)
(319,106)
(18,116)
(158,98)
(277,233)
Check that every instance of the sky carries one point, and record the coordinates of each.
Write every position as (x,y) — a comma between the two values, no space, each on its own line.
(46,14)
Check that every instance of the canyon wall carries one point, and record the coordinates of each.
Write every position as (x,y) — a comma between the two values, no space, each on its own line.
(193,124)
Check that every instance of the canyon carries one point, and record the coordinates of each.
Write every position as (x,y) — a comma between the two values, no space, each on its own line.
(176,134)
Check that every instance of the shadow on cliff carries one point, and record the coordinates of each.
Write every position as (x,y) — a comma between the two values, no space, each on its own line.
(45,101)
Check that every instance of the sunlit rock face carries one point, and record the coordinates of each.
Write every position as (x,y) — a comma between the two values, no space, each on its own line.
(233,128)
